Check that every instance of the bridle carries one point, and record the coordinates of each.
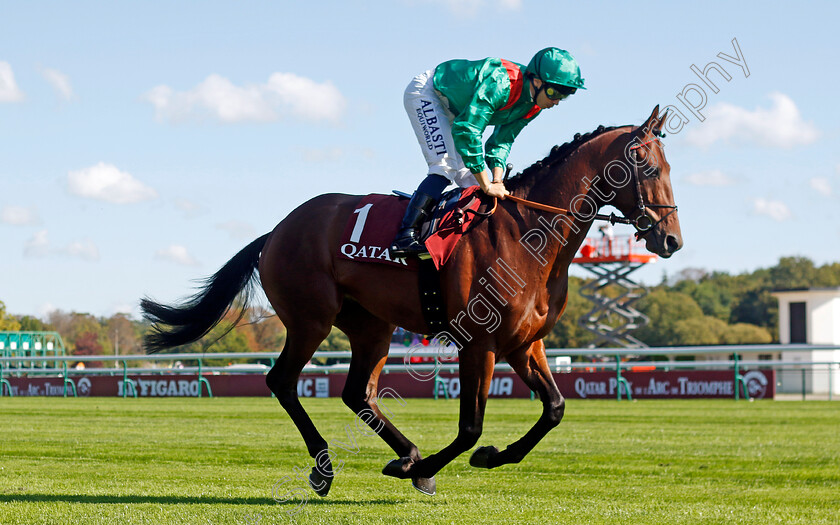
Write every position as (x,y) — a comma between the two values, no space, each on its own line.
(643,223)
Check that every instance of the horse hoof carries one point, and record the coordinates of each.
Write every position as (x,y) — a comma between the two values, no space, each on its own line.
(319,482)
(482,456)
(425,485)
(398,468)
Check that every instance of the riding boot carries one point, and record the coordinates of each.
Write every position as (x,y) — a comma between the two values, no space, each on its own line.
(407,241)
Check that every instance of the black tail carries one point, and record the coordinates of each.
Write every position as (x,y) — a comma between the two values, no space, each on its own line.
(178,325)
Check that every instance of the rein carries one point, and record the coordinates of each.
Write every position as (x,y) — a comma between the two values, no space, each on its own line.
(643,223)
(612,217)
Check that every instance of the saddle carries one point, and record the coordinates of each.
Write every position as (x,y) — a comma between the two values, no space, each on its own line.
(449,207)
(374,223)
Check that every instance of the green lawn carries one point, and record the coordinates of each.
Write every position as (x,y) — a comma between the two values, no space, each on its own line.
(114,461)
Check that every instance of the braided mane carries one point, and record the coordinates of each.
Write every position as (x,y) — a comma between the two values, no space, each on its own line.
(557,155)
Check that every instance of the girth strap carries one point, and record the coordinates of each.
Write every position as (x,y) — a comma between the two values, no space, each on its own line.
(431,297)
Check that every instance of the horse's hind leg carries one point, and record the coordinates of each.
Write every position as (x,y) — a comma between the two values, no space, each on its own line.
(531,365)
(370,339)
(282,379)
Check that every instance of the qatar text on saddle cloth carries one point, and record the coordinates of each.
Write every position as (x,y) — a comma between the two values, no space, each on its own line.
(376,219)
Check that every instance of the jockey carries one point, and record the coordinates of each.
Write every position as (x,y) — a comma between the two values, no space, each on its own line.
(452,105)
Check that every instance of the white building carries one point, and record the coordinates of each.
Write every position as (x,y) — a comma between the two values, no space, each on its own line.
(810,316)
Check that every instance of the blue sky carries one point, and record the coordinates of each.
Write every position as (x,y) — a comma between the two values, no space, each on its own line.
(142,144)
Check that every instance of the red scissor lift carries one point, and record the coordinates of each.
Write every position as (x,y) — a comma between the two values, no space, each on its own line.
(613,318)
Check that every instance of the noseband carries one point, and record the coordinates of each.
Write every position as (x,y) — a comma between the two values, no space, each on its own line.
(643,223)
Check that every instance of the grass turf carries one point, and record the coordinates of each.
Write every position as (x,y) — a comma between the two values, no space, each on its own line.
(106,460)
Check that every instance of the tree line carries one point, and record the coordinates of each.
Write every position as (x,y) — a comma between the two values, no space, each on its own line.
(698,307)
(694,307)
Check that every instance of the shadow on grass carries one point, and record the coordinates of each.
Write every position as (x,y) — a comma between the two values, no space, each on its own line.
(181,500)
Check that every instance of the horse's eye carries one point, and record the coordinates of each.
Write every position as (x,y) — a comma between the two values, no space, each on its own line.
(652,172)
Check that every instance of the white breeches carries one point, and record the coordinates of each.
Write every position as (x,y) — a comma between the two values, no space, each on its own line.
(432,124)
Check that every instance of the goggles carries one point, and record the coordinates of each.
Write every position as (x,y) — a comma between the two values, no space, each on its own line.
(557,92)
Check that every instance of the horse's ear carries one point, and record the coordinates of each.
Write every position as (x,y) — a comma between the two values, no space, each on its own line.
(655,113)
(660,121)
(652,120)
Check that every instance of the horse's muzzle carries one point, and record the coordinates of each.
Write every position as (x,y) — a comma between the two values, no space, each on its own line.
(670,244)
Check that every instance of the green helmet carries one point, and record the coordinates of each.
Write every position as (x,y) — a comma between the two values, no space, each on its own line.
(556,66)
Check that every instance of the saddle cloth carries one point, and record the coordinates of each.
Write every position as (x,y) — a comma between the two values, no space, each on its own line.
(375,221)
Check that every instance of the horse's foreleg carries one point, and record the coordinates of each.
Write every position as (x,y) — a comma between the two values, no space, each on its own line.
(370,339)
(532,366)
(475,372)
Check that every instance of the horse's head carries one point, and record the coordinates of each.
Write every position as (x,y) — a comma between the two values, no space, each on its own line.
(641,181)
(621,166)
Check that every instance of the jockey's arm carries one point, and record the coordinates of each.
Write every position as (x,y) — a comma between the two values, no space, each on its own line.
(492,184)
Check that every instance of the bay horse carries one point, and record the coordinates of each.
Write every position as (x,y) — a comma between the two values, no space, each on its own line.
(312,290)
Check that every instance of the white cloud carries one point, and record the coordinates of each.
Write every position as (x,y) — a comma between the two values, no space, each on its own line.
(129,309)
(20,216)
(468,8)
(177,254)
(238,230)
(710,178)
(107,183)
(821,185)
(9,91)
(586,49)
(306,98)
(85,250)
(60,82)
(780,126)
(321,154)
(38,245)
(460,7)
(217,98)
(190,208)
(776,210)
(45,309)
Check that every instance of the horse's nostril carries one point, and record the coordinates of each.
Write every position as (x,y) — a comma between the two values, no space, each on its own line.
(672,243)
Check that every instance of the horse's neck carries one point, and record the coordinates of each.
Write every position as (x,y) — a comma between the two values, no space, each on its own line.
(573,177)
(561,185)
(568,186)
